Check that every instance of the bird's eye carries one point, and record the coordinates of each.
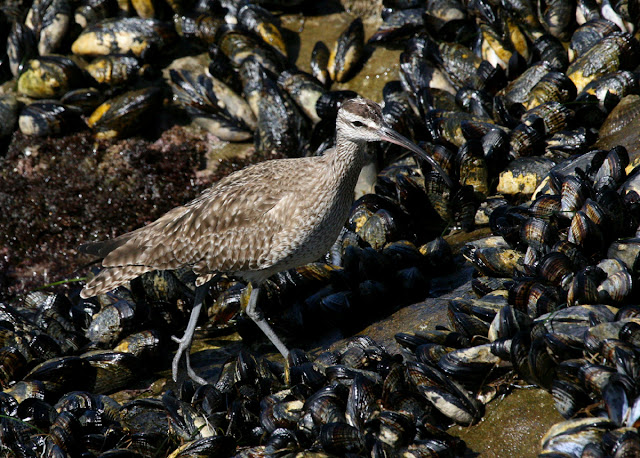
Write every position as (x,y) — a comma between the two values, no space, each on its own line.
(358,124)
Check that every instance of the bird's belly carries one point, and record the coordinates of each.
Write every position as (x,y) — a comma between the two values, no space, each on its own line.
(311,238)
(310,246)
(297,253)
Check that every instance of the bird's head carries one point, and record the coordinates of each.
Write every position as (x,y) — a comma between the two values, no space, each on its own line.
(361,120)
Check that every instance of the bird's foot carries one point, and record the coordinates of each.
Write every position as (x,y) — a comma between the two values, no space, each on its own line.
(184,344)
(184,348)
(258,318)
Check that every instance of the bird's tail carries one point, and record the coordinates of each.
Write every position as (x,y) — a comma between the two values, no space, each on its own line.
(103,248)
(110,278)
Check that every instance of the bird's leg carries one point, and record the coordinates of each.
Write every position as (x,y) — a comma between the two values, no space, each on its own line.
(258,318)
(185,341)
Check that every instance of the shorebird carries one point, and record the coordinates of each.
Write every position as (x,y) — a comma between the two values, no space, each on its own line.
(256,222)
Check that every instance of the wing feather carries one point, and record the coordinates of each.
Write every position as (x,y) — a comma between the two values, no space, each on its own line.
(227,222)
(229,228)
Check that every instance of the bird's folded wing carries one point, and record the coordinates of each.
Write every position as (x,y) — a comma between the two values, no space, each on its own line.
(223,230)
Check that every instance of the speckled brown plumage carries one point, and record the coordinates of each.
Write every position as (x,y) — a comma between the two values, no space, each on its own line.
(258,221)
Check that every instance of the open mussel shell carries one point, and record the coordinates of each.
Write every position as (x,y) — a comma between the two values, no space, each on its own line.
(444,393)
(320,63)
(264,24)
(381,228)
(523,175)
(507,323)
(278,412)
(470,365)
(161,286)
(213,105)
(145,345)
(49,77)
(573,435)
(396,428)
(117,116)
(347,54)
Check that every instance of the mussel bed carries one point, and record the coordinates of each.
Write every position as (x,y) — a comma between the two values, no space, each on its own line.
(530,108)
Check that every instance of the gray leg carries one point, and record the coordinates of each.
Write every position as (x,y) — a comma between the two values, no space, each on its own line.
(184,346)
(257,316)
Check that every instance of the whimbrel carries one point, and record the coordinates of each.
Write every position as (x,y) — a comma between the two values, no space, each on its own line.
(256,222)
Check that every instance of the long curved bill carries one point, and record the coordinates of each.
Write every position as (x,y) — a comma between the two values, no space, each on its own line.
(390,135)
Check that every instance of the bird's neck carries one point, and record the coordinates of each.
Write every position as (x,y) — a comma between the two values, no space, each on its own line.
(347,160)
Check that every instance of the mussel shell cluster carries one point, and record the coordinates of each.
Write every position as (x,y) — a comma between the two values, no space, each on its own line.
(62,358)
(567,309)
(510,98)
(101,65)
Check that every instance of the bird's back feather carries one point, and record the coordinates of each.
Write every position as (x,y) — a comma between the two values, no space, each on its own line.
(230,227)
